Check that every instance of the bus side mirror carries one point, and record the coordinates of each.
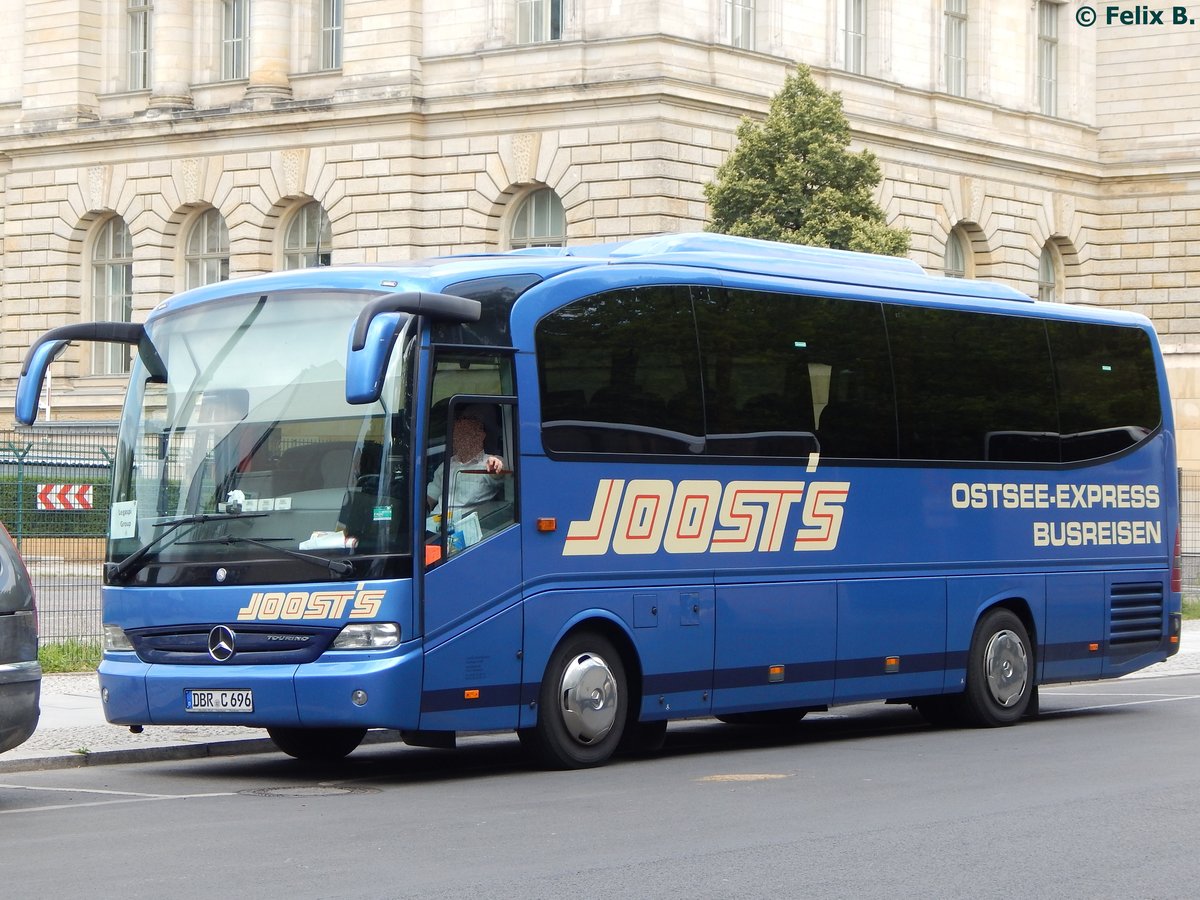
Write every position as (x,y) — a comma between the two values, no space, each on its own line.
(366,366)
(47,347)
(377,326)
(33,374)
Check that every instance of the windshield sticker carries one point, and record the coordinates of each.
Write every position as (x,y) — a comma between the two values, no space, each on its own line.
(123,520)
(646,515)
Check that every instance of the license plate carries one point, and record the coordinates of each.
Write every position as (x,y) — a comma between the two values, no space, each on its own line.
(218,701)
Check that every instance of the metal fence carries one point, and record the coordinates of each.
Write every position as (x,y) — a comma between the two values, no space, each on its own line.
(54,501)
(1189,533)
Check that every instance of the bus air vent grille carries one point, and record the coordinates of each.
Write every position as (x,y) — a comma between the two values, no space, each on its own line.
(1136,613)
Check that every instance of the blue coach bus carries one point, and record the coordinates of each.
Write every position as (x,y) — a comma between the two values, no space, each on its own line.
(578,493)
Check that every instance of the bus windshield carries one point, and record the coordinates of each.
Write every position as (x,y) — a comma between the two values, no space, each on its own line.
(245,462)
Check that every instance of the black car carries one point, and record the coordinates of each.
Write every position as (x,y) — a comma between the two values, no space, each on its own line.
(20,673)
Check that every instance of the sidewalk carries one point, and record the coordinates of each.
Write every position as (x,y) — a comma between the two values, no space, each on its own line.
(72,731)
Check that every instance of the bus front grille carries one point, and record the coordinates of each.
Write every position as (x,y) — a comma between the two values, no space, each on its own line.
(250,644)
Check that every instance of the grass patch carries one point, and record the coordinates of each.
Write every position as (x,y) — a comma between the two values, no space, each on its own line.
(1191,607)
(69,656)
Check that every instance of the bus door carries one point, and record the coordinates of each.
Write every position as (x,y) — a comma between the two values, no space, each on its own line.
(471,616)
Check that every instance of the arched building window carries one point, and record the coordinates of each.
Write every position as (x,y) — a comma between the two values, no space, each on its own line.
(539,222)
(955,265)
(112,292)
(309,238)
(206,255)
(1048,284)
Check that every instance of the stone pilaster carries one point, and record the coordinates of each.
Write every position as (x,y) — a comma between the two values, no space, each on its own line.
(270,42)
(61,68)
(171,67)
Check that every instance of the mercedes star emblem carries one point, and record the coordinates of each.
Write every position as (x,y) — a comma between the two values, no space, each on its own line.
(221,643)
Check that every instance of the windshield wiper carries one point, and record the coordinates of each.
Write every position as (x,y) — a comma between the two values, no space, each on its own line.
(335,566)
(121,571)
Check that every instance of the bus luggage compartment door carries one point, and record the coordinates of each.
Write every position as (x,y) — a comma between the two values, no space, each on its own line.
(775,645)
(891,638)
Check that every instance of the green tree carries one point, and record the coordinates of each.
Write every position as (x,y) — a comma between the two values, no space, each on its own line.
(791,178)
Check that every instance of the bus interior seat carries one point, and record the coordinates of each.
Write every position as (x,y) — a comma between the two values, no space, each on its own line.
(311,467)
(856,430)
(562,405)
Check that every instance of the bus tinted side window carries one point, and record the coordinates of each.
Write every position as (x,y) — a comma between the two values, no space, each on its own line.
(1108,388)
(758,374)
(788,375)
(972,386)
(619,374)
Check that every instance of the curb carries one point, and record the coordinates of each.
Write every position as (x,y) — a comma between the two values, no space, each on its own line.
(137,755)
(164,753)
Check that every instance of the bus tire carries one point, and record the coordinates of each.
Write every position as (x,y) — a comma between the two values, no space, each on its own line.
(581,705)
(324,744)
(1000,671)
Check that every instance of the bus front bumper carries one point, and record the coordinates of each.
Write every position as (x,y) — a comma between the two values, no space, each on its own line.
(340,690)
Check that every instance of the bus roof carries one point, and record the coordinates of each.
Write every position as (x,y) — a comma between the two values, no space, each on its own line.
(714,253)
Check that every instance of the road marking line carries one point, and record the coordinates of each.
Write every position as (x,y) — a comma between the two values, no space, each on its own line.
(67,790)
(1074,709)
(117,797)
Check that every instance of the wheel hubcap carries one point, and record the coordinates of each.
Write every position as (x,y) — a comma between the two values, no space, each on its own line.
(1007,667)
(589,698)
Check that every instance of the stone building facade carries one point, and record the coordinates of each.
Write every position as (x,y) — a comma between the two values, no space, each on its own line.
(146,145)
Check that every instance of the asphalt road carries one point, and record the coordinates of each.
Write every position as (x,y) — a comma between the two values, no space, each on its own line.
(1096,799)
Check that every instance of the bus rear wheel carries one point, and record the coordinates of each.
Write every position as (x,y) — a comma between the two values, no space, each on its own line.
(582,704)
(325,744)
(1000,671)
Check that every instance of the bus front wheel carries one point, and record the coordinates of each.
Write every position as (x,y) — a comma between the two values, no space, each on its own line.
(1000,671)
(317,743)
(581,705)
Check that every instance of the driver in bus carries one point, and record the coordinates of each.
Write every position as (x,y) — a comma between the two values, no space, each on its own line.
(475,475)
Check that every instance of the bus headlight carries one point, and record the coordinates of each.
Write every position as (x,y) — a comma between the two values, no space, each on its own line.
(368,636)
(115,639)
